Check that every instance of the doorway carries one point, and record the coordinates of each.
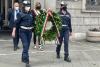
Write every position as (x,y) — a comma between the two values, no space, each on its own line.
(5,6)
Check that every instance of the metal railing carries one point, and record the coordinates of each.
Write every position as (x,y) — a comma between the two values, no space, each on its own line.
(92,5)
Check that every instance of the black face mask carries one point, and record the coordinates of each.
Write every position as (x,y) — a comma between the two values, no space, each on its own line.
(38,7)
(64,8)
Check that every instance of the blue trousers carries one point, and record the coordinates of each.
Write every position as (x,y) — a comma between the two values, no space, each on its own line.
(16,38)
(64,33)
(25,36)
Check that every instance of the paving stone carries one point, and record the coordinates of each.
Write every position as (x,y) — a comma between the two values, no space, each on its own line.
(82,54)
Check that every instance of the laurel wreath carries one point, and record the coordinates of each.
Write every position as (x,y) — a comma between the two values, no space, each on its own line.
(50,34)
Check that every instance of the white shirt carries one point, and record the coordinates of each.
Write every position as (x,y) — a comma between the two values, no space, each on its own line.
(15,14)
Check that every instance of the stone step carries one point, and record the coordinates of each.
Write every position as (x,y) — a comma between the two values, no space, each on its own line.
(5,31)
(5,34)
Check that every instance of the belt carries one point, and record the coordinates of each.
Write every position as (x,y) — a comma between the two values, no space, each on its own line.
(27,28)
(64,25)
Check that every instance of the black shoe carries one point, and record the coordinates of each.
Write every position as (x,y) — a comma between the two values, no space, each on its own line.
(25,61)
(27,65)
(15,48)
(67,58)
(58,55)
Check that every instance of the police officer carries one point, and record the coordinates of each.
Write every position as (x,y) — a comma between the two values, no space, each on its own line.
(65,32)
(25,20)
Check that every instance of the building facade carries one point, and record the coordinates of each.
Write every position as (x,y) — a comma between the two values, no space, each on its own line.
(85,13)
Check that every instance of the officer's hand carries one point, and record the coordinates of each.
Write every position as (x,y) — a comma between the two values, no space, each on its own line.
(71,34)
(13,34)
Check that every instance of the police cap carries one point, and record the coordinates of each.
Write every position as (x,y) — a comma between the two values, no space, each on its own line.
(63,3)
(26,3)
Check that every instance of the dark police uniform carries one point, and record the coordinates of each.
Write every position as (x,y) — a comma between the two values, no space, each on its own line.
(64,33)
(25,21)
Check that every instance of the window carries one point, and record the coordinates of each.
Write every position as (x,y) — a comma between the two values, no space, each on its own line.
(91,5)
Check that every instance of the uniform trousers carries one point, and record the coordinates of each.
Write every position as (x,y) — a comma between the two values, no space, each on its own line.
(25,36)
(64,33)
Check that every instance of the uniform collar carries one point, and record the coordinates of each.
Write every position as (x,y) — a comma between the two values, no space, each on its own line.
(62,13)
(26,12)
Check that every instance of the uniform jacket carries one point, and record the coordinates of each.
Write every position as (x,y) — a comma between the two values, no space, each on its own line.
(66,19)
(25,19)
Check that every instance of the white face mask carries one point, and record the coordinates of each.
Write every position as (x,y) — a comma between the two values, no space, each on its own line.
(16,8)
(27,8)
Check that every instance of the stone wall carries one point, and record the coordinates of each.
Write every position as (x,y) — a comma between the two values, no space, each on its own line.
(81,21)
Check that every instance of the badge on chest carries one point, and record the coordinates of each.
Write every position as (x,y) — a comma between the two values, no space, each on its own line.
(31,16)
(65,16)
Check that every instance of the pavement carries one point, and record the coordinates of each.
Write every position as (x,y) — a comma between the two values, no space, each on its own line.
(82,54)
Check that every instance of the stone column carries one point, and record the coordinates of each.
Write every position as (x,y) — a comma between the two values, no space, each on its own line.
(50,4)
(2,6)
(12,3)
(6,11)
(83,4)
(32,4)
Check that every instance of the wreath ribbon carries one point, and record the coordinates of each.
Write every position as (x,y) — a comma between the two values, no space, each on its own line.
(37,12)
(44,27)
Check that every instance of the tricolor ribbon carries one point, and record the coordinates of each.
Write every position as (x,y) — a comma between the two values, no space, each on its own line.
(44,27)
(37,12)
